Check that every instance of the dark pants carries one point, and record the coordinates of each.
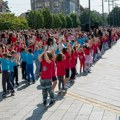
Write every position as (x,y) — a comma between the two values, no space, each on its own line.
(61,82)
(73,72)
(23,65)
(16,73)
(6,82)
(46,86)
(12,78)
(109,41)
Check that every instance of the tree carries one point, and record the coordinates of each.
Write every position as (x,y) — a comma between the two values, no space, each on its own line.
(56,21)
(114,17)
(74,18)
(39,20)
(69,22)
(47,18)
(31,18)
(9,21)
(96,17)
(63,21)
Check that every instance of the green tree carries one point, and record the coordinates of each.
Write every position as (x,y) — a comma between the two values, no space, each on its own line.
(39,20)
(63,21)
(69,22)
(74,18)
(47,18)
(114,17)
(96,17)
(9,21)
(56,23)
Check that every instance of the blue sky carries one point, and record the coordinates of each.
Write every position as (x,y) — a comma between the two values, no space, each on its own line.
(21,6)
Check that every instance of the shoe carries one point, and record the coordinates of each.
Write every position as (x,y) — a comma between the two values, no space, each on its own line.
(12,94)
(4,95)
(45,103)
(17,83)
(64,91)
(52,102)
(33,82)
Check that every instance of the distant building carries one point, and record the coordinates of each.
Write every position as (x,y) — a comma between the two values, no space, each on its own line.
(4,6)
(57,6)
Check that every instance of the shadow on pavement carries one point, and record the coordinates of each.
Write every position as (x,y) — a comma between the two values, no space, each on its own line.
(22,87)
(38,112)
(39,87)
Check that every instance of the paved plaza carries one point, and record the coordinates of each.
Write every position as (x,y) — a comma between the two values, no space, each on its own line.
(92,97)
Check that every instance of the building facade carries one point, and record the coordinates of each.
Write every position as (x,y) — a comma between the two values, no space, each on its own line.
(4,6)
(57,6)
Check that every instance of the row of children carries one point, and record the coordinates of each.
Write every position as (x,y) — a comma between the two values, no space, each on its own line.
(55,60)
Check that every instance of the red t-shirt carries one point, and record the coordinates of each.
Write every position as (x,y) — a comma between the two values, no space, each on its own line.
(38,39)
(73,60)
(46,70)
(60,68)
(87,51)
(94,48)
(67,61)
(14,39)
(17,48)
(53,69)
(81,56)
(0,55)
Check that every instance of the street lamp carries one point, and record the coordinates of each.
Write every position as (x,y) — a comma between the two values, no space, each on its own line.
(89,14)
(103,12)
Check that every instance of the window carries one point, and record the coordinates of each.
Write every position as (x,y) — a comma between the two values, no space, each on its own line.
(56,3)
(32,1)
(39,5)
(47,4)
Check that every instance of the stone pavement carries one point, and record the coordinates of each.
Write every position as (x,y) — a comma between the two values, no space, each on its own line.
(92,97)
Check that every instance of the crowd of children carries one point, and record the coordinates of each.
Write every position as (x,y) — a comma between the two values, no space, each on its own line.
(55,54)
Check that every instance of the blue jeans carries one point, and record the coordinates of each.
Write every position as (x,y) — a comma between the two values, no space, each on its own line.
(29,68)
(46,86)
(37,71)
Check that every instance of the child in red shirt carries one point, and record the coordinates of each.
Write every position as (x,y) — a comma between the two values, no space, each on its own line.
(67,53)
(73,64)
(46,77)
(81,56)
(60,71)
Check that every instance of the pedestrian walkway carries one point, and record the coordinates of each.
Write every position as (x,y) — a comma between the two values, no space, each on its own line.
(92,97)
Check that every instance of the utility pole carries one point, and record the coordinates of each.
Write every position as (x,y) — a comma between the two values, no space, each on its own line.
(109,11)
(113,13)
(89,14)
(103,12)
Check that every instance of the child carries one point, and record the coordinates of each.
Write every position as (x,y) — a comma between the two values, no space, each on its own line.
(54,78)
(46,77)
(11,66)
(88,58)
(6,75)
(37,63)
(81,56)
(73,64)
(16,60)
(60,71)
(67,53)
(23,64)
(29,65)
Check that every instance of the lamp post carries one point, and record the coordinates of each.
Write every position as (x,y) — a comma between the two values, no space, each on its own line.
(89,14)
(103,12)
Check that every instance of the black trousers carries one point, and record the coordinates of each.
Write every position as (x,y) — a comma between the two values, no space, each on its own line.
(6,82)
(61,82)
(73,73)
(16,73)
(23,65)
